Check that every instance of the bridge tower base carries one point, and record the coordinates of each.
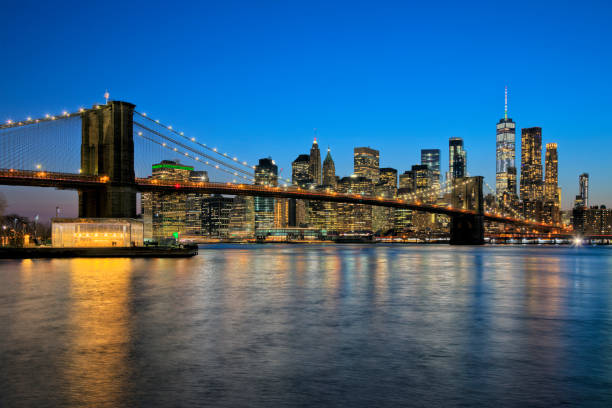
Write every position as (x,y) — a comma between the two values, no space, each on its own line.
(107,150)
(467,229)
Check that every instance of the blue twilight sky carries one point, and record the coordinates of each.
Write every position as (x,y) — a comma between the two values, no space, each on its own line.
(255,78)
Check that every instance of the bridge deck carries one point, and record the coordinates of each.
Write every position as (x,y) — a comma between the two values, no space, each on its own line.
(81,182)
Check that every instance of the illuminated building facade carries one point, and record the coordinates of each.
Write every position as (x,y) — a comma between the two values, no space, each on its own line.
(355,217)
(165,214)
(532,191)
(531,164)
(216,212)
(300,171)
(457,159)
(266,174)
(323,215)
(194,221)
(592,221)
(329,170)
(366,163)
(388,176)
(431,159)
(407,180)
(315,163)
(242,218)
(505,153)
(96,232)
(383,217)
(422,177)
(402,222)
(552,198)
(281,212)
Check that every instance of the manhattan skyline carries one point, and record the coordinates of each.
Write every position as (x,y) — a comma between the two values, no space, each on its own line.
(360,76)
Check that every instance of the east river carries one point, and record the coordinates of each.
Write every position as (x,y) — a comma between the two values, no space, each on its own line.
(306,325)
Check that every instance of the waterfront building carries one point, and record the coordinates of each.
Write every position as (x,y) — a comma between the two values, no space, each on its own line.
(366,163)
(388,176)
(194,223)
(324,215)
(165,214)
(242,218)
(300,176)
(423,221)
(457,159)
(315,163)
(505,173)
(300,171)
(216,213)
(329,170)
(96,232)
(402,220)
(355,217)
(592,221)
(266,174)
(383,217)
(431,159)
(281,212)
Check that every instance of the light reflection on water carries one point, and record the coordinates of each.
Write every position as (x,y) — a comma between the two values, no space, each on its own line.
(291,325)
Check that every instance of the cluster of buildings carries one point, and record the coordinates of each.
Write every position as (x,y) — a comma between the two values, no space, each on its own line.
(590,220)
(536,197)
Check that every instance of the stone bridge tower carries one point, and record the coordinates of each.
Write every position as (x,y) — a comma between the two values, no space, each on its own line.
(468,229)
(107,150)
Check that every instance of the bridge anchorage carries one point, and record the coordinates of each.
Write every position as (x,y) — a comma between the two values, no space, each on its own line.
(108,186)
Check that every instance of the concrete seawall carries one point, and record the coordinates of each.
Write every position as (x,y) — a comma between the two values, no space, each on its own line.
(136,252)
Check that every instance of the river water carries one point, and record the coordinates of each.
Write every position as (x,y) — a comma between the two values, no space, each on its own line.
(306,325)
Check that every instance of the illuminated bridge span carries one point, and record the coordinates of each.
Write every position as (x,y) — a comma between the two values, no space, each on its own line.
(107,183)
(80,182)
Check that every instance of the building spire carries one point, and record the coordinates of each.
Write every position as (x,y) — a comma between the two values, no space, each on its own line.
(315,136)
(506,102)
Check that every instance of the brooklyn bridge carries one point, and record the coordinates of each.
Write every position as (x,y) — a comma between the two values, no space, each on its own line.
(115,145)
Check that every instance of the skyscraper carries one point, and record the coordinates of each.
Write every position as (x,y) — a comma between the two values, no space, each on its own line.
(167,213)
(329,170)
(582,199)
(388,176)
(355,217)
(531,164)
(266,174)
(551,177)
(315,163)
(457,159)
(431,159)
(300,170)
(505,154)
(366,162)
(551,187)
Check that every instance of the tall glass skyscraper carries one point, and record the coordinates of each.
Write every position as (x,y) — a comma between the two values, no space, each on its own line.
(457,159)
(584,188)
(505,154)
(431,159)
(531,164)
(266,174)
(366,163)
